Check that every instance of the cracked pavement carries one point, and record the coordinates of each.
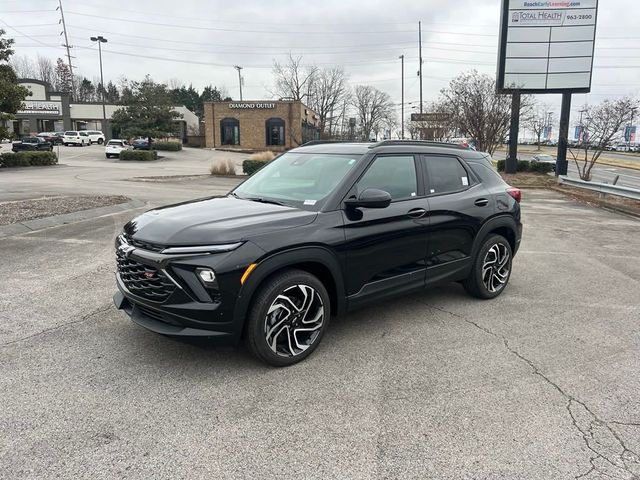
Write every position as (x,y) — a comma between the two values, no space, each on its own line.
(540,383)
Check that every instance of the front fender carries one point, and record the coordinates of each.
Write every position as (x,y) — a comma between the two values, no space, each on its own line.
(289,258)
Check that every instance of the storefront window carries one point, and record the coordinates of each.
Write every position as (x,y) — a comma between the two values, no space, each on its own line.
(230,131)
(275,131)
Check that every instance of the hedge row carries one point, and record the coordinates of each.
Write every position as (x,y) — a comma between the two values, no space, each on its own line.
(139,155)
(28,159)
(249,167)
(527,166)
(167,146)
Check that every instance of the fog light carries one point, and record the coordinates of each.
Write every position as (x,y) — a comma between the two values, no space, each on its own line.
(207,276)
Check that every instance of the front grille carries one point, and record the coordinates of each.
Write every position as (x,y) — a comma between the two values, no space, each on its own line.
(143,280)
(151,247)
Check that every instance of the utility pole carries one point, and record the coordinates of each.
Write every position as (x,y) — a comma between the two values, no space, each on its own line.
(633,112)
(401,57)
(100,39)
(420,60)
(581,136)
(238,68)
(67,46)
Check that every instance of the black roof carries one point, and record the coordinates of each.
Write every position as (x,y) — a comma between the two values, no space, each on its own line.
(389,146)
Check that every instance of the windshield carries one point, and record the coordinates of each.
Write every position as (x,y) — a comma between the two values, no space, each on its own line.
(115,142)
(298,179)
(545,157)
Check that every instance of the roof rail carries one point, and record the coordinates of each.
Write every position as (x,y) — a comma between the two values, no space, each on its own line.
(425,143)
(320,142)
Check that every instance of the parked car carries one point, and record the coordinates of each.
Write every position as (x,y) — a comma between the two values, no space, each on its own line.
(114,147)
(32,144)
(141,144)
(73,137)
(51,137)
(621,147)
(321,230)
(95,136)
(544,158)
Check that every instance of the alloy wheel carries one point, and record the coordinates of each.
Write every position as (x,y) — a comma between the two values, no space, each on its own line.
(294,320)
(495,267)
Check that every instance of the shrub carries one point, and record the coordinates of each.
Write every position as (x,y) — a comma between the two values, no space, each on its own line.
(27,159)
(167,146)
(226,167)
(265,156)
(521,166)
(541,167)
(250,167)
(139,155)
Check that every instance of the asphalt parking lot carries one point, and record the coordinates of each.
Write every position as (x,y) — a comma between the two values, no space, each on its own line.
(540,383)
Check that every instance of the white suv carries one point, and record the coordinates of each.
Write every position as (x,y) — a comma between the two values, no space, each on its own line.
(73,137)
(96,136)
(114,147)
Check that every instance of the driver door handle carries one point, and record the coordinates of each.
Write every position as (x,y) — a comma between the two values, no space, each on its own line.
(416,212)
(481,202)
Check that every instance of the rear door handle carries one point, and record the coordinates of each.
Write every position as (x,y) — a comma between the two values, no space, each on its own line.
(416,212)
(481,202)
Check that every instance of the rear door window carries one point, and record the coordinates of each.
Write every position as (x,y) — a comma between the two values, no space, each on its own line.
(445,175)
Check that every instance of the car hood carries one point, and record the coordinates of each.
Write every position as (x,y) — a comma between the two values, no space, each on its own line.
(214,220)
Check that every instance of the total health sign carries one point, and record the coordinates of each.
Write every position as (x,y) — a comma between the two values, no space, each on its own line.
(547,46)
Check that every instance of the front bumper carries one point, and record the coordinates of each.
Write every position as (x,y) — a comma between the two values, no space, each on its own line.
(159,322)
(174,302)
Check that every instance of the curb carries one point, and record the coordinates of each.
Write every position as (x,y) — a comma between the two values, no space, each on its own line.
(57,220)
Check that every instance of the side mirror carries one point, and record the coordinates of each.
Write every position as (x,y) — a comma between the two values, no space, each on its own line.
(370,198)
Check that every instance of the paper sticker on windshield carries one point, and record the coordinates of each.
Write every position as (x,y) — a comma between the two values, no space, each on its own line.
(309,202)
(352,161)
(465,181)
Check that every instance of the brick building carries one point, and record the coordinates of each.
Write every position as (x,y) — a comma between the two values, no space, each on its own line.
(259,125)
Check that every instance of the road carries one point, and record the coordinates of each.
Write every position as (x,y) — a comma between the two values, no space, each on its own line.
(540,383)
(602,173)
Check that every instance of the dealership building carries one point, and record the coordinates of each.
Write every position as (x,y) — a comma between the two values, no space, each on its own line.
(259,125)
(48,111)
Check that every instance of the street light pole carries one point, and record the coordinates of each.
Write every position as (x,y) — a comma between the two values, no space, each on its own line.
(100,39)
(401,57)
(238,68)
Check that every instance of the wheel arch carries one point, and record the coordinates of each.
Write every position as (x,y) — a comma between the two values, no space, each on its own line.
(318,261)
(503,225)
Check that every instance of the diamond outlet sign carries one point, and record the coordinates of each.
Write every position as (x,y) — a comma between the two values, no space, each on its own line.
(546,46)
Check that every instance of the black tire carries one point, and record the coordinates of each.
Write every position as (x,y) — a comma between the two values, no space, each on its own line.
(489,284)
(297,285)
(107,155)
(100,141)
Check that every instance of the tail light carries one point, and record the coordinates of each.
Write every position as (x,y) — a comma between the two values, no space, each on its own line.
(516,193)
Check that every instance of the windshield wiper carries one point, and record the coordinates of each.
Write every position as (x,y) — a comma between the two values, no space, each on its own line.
(262,200)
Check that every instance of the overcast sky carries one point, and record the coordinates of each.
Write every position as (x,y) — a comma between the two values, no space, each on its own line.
(197,41)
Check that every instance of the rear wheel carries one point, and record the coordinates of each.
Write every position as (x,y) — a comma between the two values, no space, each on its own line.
(491,268)
(100,141)
(288,317)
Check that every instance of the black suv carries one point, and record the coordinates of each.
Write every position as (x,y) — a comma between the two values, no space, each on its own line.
(321,230)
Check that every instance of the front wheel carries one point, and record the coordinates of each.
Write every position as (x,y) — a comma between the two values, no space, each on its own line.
(491,268)
(287,318)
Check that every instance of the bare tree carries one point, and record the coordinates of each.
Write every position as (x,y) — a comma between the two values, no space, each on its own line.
(46,69)
(373,108)
(327,93)
(292,79)
(477,110)
(24,67)
(602,124)
(537,119)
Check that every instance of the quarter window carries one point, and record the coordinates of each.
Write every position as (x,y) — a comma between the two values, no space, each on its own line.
(275,131)
(393,174)
(230,131)
(446,175)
